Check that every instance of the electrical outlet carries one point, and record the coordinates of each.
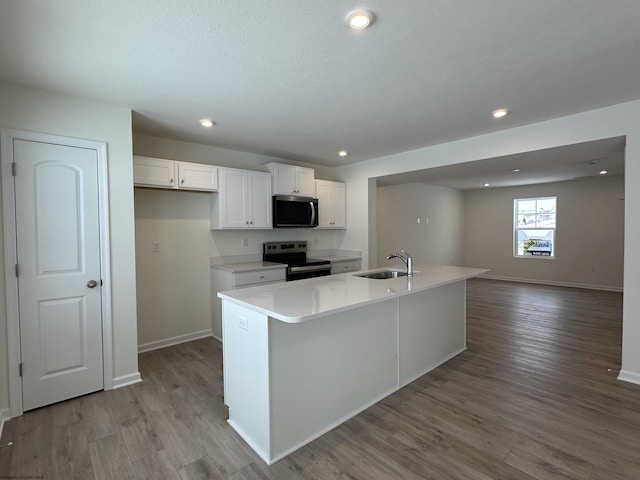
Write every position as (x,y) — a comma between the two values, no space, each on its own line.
(244,242)
(243,323)
(155,246)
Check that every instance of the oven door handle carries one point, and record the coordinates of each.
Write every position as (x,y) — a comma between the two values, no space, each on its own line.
(310,268)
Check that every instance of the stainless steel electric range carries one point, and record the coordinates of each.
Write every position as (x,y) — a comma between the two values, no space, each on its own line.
(294,254)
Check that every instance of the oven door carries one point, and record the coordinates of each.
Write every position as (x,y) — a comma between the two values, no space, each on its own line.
(307,271)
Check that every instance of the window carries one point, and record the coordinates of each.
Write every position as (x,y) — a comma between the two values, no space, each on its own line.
(534,227)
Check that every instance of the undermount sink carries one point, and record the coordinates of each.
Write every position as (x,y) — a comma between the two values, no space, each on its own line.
(383,275)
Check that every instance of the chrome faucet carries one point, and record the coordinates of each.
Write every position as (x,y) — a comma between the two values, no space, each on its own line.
(406,258)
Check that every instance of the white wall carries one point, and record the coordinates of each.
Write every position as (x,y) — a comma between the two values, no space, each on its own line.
(590,233)
(38,111)
(174,285)
(613,121)
(437,239)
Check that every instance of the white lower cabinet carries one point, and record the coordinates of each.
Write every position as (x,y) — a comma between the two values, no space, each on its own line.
(331,204)
(229,278)
(344,266)
(243,200)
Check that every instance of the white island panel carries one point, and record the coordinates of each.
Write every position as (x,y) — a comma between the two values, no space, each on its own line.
(302,357)
(326,371)
(246,374)
(432,329)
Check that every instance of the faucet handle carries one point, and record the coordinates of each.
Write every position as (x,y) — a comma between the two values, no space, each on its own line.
(405,253)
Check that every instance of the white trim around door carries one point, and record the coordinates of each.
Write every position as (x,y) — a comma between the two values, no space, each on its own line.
(7,137)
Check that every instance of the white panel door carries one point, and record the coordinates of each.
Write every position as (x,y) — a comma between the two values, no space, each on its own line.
(233,198)
(195,176)
(58,243)
(305,182)
(154,172)
(323,194)
(260,191)
(339,204)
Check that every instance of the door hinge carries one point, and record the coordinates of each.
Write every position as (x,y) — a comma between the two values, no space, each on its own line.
(13,168)
(20,369)
(17,270)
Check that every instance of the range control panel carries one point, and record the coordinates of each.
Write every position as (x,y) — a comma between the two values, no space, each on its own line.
(271,248)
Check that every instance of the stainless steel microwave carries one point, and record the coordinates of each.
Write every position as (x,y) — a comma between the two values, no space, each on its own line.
(294,212)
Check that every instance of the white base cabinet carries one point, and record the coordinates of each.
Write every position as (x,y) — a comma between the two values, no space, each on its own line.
(243,200)
(345,266)
(332,204)
(171,174)
(225,279)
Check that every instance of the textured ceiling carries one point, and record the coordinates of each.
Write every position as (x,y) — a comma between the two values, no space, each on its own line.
(287,78)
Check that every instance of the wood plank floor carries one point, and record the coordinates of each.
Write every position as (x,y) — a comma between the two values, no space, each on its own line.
(534,396)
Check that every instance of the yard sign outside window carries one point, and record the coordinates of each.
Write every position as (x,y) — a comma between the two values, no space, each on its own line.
(535,227)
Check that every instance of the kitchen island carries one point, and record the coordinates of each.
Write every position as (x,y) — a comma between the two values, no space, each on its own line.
(302,357)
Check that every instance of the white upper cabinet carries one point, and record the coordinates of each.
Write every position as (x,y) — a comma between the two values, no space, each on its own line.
(196,176)
(243,200)
(154,172)
(291,179)
(161,173)
(332,205)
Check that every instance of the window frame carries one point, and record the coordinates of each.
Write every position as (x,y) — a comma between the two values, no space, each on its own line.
(517,228)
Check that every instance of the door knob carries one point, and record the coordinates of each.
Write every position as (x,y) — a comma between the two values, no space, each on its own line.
(92,284)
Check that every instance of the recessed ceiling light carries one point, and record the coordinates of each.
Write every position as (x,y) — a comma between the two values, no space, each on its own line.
(603,172)
(359,19)
(205,122)
(515,170)
(499,113)
(485,185)
(343,153)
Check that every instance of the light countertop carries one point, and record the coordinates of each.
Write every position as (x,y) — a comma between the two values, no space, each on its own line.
(302,300)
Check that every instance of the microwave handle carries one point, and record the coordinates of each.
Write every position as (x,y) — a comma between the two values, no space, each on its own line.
(313,213)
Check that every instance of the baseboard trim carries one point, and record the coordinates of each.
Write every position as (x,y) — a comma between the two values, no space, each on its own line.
(127,380)
(606,288)
(167,342)
(631,377)
(4,417)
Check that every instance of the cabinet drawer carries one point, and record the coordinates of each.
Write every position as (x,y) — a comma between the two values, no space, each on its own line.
(345,266)
(259,276)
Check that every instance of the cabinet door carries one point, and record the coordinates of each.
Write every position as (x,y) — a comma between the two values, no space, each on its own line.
(233,199)
(323,193)
(196,176)
(339,204)
(260,200)
(154,172)
(331,204)
(305,181)
(284,180)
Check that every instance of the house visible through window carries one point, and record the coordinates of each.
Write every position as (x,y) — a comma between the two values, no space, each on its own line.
(534,227)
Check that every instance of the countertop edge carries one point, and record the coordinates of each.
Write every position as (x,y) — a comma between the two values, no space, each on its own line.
(392,295)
